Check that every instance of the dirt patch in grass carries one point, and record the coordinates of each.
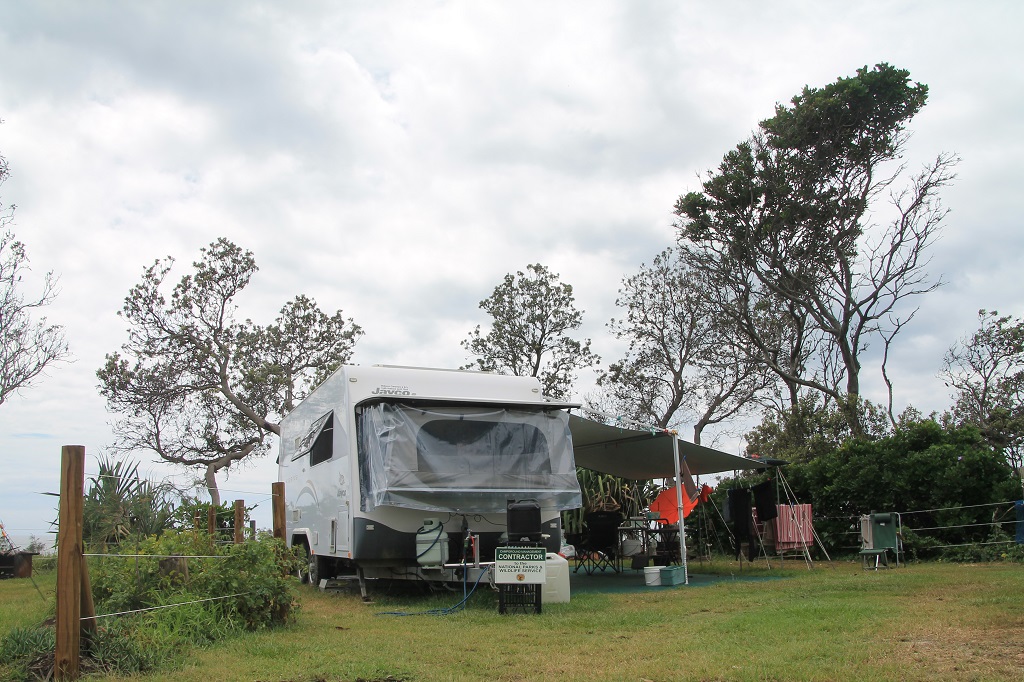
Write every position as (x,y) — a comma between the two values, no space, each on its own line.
(974,631)
(968,652)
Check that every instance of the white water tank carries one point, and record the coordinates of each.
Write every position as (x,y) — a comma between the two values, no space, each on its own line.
(431,544)
(556,580)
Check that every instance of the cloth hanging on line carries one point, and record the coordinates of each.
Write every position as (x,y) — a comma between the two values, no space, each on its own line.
(739,510)
(1019,506)
(764,500)
(793,529)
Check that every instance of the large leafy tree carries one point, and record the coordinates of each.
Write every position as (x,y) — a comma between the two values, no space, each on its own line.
(810,429)
(532,317)
(791,223)
(680,362)
(28,343)
(201,389)
(986,373)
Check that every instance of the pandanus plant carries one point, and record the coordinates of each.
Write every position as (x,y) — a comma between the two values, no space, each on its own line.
(121,504)
(607,492)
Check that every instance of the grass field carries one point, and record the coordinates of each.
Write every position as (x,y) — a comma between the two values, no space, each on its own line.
(920,622)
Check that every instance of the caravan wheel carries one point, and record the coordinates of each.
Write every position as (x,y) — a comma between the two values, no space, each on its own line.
(308,571)
(313,570)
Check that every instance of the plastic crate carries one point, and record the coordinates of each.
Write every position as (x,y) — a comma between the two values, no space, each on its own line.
(519,599)
(672,575)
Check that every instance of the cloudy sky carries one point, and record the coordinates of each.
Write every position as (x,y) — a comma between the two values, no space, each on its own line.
(395,159)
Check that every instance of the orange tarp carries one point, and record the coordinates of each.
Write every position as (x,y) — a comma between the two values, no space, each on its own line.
(667,506)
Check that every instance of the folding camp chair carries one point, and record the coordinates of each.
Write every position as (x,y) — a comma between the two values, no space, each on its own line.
(600,547)
(880,535)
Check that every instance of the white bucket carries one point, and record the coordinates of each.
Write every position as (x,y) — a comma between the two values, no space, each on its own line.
(631,547)
(652,576)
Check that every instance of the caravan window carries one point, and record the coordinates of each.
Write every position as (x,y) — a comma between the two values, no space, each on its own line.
(471,457)
(318,441)
(454,446)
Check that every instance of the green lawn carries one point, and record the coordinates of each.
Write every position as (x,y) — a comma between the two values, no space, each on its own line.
(920,622)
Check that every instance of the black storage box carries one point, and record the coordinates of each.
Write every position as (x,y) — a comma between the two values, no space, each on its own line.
(523,521)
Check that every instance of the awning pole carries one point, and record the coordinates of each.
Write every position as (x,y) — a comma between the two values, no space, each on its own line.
(679,505)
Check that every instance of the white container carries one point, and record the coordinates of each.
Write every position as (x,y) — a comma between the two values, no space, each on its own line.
(652,576)
(556,580)
(631,547)
(431,544)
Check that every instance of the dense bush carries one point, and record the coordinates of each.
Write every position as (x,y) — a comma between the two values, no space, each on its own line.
(948,476)
(219,591)
(184,517)
(250,581)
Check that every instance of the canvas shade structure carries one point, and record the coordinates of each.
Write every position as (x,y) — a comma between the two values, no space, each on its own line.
(642,455)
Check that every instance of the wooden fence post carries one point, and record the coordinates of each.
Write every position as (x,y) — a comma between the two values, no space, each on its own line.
(88,606)
(252,529)
(69,563)
(277,489)
(239,521)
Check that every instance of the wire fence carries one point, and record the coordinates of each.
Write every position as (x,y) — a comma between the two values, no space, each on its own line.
(72,561)
(921,529)
(157,556)
(168,480)
(932,533)
(164,606)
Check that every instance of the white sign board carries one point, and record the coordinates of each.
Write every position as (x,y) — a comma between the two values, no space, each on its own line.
(520,565)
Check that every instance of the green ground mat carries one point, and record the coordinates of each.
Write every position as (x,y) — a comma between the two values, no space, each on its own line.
(633,581)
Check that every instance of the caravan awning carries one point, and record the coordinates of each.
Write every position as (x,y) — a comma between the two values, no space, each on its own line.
(643,455)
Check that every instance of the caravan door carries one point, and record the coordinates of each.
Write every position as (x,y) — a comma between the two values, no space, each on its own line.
(340,531)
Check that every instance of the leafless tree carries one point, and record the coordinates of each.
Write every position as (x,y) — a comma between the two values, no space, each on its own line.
(28,343)
(680,363)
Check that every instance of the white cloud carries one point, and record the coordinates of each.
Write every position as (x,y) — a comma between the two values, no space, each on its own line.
(396,159)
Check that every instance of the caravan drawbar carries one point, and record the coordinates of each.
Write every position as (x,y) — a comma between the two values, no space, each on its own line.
(408,473)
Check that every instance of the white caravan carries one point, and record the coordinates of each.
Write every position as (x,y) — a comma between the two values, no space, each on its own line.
(406,473)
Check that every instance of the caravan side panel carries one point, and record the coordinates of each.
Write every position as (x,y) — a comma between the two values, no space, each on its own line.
(316,465)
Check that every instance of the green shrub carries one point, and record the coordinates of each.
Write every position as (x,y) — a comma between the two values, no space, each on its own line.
(249,581)
(184,517)
(205,594)
(259,573)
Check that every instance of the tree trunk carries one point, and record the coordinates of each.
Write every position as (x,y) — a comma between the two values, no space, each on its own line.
(211,484)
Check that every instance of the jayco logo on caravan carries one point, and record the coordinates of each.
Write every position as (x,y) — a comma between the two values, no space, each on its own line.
(392,390)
